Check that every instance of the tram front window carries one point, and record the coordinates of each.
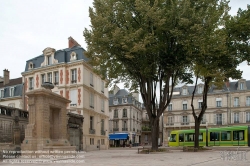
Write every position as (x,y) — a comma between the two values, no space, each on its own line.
(172,138)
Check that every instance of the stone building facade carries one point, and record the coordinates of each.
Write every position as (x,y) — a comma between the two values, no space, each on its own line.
(10,120)
(75,80)
(146,130)
(125,112)
(11,91)
(226,106)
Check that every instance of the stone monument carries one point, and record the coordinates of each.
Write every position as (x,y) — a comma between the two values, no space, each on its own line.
(47,128)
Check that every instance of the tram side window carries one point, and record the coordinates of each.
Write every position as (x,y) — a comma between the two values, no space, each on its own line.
(173,138)
(226,136)
(181,138)
(214,136)
(189,137)
(238,135)
(201,137)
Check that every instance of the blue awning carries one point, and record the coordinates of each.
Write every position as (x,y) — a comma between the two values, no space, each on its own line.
(118,136)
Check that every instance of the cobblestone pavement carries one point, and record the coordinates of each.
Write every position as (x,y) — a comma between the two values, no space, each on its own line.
(129,157)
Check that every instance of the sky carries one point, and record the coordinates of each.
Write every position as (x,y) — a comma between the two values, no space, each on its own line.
(28,27)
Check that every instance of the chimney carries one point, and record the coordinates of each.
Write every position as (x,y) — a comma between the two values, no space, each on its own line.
(72,42)
(6,76)
(227,83)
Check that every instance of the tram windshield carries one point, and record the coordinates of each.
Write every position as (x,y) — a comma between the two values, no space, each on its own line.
(172,138)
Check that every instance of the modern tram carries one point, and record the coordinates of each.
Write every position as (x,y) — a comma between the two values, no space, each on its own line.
(223,136)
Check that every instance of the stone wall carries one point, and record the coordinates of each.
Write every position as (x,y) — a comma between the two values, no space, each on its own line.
(11,120)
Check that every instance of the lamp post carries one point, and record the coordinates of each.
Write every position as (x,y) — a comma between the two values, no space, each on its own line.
(229,106)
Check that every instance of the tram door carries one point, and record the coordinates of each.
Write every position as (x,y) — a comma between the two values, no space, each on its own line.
(181,139)
(238,138)
(214,138)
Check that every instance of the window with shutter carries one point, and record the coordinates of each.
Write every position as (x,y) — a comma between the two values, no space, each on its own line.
(73,97)
(223,118)
(247,117)
(91,100)
(248,101)
(236,117)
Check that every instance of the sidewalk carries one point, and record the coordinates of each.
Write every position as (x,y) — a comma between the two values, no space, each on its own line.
(129,157)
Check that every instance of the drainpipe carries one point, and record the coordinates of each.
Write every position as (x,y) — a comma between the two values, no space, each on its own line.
(162,130)
(23,95)
(130,123)
(230,107)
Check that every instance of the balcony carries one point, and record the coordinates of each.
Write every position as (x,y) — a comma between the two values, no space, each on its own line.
(236,105)
(248,121)
(115,116)
(124,129)
(73,81)
(115,129)
(181,124)
(236,121)
(218,122)
(124,116)
(73,105)
(103,132)
(91,131)
(146,128)
(170,124)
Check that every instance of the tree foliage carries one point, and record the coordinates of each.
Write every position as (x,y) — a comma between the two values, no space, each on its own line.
(238,31)
(217,52)
(151,45)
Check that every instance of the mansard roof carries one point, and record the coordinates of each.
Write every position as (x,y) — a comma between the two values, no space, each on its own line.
(120,94)
(62,55)
(233,87)
(13,83)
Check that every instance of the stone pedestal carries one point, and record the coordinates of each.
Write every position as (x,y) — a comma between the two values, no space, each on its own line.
(16,132)
(47,128)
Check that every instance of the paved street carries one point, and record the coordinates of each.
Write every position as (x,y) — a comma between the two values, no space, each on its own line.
(129,157)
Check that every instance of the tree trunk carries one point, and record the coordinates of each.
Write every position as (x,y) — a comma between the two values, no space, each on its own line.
(154,133)
(196,134)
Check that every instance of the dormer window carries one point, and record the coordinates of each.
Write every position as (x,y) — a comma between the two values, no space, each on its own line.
(1,93)
(49,56)
(115,101)
(31,65)
(49,60)
(241,85)
(73,56)
(124,100)
(199,89)
(11,91)
(184,91)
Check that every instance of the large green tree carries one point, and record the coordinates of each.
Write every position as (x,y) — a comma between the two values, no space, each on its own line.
(146,44)
(217,52)
(223,43)
(238,31)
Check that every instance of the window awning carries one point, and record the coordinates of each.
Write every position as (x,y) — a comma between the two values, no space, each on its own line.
(118,136)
